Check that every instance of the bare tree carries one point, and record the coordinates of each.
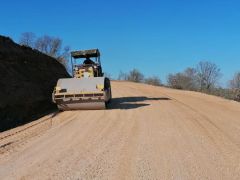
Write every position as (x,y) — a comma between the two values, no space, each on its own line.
(51,46)
(122,76)
(207,75)
(64,56)
(235,82)
(27,39)
(154,80)
(185,80)
(235,86)
(190,72)
(190,76)
(177,81)
(135,76)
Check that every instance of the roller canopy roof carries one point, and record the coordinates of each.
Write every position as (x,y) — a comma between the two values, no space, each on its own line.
(85,53)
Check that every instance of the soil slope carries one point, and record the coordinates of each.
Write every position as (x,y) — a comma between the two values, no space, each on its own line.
(27,79)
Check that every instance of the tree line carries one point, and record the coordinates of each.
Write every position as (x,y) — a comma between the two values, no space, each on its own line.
(49,45)
(203,78)
(136,76)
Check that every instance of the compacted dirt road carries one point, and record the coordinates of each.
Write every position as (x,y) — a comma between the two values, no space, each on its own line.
(147,133)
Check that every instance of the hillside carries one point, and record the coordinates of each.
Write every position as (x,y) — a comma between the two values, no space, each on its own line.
(27,79)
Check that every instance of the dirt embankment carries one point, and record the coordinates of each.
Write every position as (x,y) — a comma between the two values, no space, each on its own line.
(27,78)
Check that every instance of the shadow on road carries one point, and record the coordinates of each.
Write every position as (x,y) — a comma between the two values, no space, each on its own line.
(132,102)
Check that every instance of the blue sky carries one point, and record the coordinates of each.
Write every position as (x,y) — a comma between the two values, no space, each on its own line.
(156,37)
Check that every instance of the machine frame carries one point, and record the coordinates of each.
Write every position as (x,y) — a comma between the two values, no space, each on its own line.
(88,89)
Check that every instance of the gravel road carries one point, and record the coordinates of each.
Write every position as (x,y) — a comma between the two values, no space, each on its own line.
(147,133)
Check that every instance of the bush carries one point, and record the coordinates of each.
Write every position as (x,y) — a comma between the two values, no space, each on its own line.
(208,75)
(237,95)
(185,80)
(235,82)
(154,80)
(135,76)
